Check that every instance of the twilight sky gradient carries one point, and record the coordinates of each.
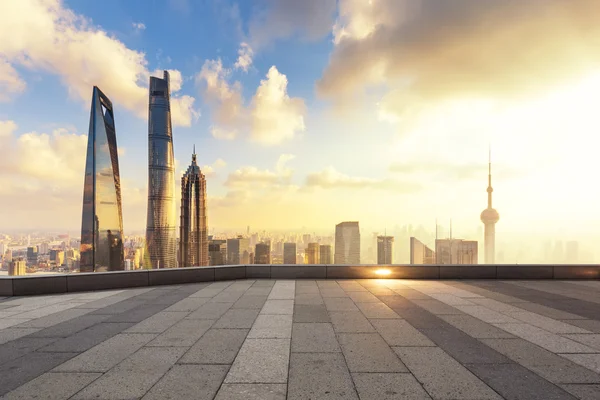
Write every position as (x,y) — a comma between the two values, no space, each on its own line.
(308,113)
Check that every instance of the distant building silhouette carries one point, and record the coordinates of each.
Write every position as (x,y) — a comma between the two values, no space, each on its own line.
(456,251)
(193,226)
(262,254)
(420,254)
(217,252)
(312,253)
(237,251)
(490,217)
(101,244)
(384,249)
(289,253)
(325,254)
(347,243)
(17,268)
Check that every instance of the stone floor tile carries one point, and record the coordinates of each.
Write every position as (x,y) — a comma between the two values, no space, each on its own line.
(22,370)
(137,314)
(210,311)
(189,382)
(542,338)
(487,315)
(377,310)
(227,297)
(352,286)
(252,391)
(283,290)
(188,304)
(340,304)
(216,346)
(52,386)
(363,297)
(350,322)
(475,327)
(589,361)
(21,346)
(263,283)
(71,327)
(452,300)
(258,291)
(250,302)
(583,392)
(333,292)
(496,305)
(158,323)
(591,340)
(442,376)
(8,322)
(271,327)
(87,338)
(322,376)
(237,319)
(314,338)
(278,307)
(261,361)
(310,313)
(308,299)
(183,334)
(411,294)
(545,323)
(588,324)
(307,290)
(384,386)
(437,307)
(10,334)
(549,312)
(133,377)
(107,354)
(368,352)
(398,332)
(54,319)
(512,381)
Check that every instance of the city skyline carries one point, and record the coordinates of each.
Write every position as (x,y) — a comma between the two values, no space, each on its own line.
(274,178)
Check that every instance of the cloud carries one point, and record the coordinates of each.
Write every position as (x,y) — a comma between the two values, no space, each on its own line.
(138,26)
(245,54)
(10,82)
(273,116)
(80,53)
(432,50)
(211,170)
(330,178)
(253,177)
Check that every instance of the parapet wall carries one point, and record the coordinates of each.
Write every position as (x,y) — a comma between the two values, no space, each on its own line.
(63,283)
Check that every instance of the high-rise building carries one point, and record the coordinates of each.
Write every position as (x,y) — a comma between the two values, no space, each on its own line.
(237,251)
(420,254)
(32,255)
(312,253)
(325,254)
(289,253)
(161,241)
(57,256)
(456,251)
(490,217)
(193,227)
(17,268)
(101,244)
(262,254)
(43,248)
(384,249)
(347,243)
(8,257)
(217,251)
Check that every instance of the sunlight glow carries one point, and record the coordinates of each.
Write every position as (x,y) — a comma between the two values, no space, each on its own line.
(383,272)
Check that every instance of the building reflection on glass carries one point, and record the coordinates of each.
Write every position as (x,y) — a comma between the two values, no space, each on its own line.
(102,217)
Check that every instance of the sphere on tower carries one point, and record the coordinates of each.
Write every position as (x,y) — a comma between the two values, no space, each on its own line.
(490,216)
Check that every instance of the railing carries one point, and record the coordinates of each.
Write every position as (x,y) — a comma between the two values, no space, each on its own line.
(63,283)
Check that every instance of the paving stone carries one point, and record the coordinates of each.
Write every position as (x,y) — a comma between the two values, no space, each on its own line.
(158,323)
(21,346)
(52,385)
(183,334)
(263,283)
(308,299)
(350,322)
(396,301)
(314,338)
(397,332)
(8,322)
(487,315)
(278,307)
(411,294)
(87,338)
(20,371)
(442,376)
(56,318)
(548,341)
(583,392)
(107,354)
(587,324)
(377,310)
(110,307)
(216,346)
(133,377)
(496,305)
(227,297)
(258,291)
(322,376)
(351,286)
(252,391)
(271,327)
(475,327)
(513,381)
(340,304)
(363,297)
(437,307)
(283,290)
(384,386)
(188,304)
(368,352)
(548,324)
(549,312)
(70,327)
(250,302)
(591,340)
(548,365)
(334,292)
(589,361)
(189,382)
(138,313)
(307,290)
(308,313)
(10,334)
(55,309)
(210,311)
(261,361)
(452,300)
(237,319)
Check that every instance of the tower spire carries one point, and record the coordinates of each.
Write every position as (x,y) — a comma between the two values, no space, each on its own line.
(194,155)
(490,189)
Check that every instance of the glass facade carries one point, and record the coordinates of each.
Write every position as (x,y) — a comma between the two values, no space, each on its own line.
(102,217)
(193,236)
(161,242)
(347,243)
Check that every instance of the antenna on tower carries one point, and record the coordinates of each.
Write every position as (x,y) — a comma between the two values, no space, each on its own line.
(450,228)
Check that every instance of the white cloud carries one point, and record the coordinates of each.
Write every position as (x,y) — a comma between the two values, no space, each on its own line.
(138,26)
(211,170)
(256,178)
(330,178)
(80,53)
(10,82)
(245,54)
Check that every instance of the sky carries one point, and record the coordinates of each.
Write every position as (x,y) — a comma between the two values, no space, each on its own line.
(308,113)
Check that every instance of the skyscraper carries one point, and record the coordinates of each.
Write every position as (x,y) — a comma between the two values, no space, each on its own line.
(262,254)
(161,242)
(17,268)
(312,253)
(325,254)
(347,243)
(455,251)
(490,217)
(384,249)
(193,235)
(217,251)
(237,251)
(420,254)
(102,217)
(289,253)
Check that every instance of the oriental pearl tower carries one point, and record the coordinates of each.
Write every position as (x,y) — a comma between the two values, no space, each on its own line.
(489,217)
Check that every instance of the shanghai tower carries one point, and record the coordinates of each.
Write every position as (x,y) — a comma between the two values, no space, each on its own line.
(102,218)
(161,242)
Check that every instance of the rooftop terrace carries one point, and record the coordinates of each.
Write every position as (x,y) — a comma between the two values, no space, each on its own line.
(306,339)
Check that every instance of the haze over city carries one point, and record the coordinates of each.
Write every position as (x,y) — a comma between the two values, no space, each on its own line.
(306,114)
